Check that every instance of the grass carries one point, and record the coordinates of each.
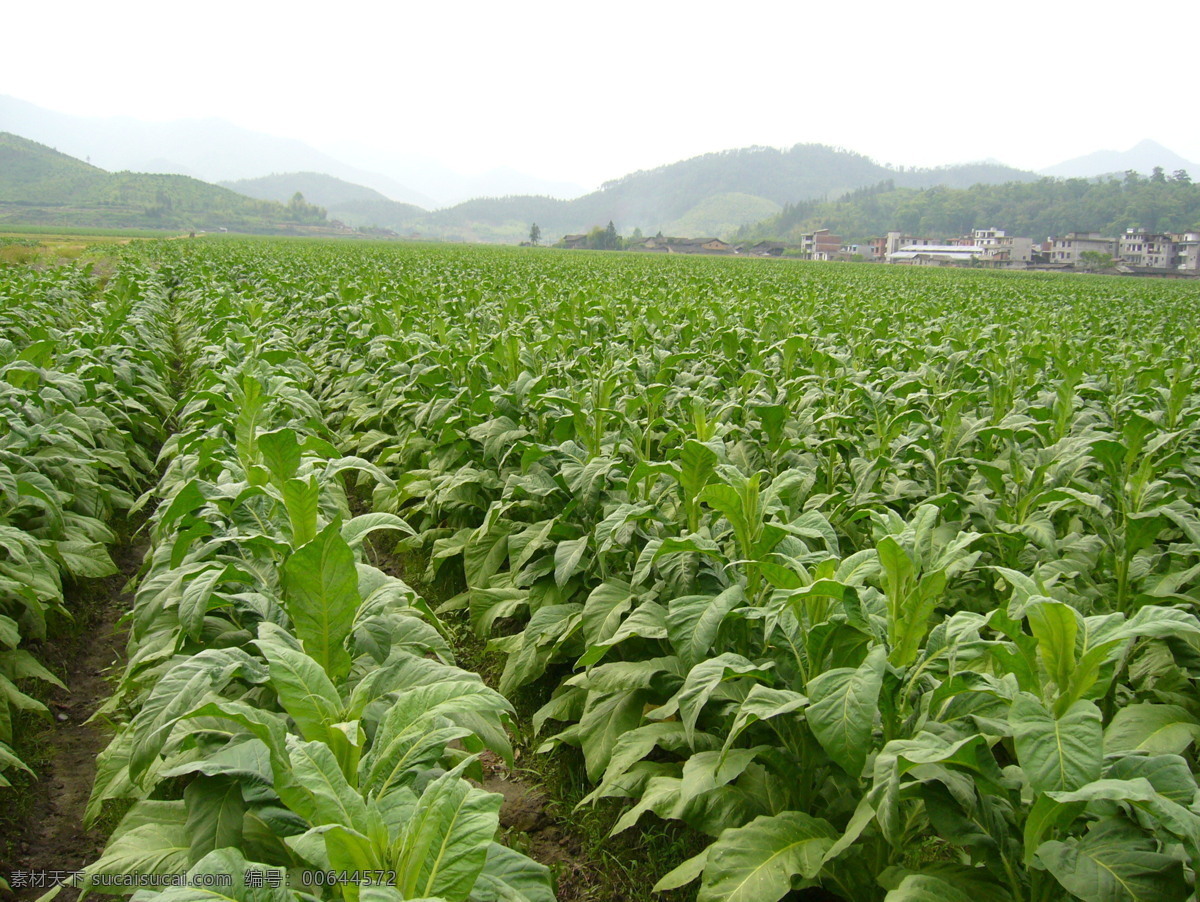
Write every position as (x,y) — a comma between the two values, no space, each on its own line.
(71,232)
(56,250)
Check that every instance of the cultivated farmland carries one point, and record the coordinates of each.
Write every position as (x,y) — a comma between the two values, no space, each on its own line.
(879,582)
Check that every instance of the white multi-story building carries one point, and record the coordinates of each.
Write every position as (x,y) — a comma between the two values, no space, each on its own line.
(1141,248)
(1000,247)
(1187,251)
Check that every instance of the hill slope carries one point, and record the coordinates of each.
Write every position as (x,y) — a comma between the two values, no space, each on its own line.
(30,172)
(210,149)
(317,188)
(661,199)
(354,205)
(1036,210)
(41,186)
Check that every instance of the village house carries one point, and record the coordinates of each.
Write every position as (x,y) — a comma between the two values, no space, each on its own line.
(766,249)
(1141,248)
(820,245)
(937,254)
(697,246)
(1068,250)
(1002,248)
(893,241)
(1187,252)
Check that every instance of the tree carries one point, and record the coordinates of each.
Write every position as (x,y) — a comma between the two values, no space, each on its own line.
(611,241)
(1096,260)
(535,234)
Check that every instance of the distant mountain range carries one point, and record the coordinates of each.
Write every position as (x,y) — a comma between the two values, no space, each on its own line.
(215,150)
(710,195)
(354,205)
(1142,157)
(41,186)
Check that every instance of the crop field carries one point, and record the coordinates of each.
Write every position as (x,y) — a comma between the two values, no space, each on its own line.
(878,584)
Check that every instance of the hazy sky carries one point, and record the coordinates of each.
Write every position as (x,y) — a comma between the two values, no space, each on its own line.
(589,91)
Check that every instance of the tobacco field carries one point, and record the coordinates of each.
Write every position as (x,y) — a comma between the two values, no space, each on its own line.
(882,583)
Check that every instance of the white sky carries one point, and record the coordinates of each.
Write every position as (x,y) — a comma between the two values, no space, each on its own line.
(590,91)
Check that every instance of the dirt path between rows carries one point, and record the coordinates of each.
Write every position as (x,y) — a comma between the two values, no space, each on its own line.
(50,834)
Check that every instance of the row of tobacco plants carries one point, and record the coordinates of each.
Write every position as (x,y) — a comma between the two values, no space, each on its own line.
(289,721)
(79,405)
(884,581)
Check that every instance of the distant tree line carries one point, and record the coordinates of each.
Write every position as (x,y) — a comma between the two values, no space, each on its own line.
(1158,202)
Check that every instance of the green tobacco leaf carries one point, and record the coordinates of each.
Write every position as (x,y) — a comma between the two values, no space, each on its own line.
(605,719)
(1151,729)
(604,608)
(179,691)
(842,708)
(509,876)
(215,811)
(152,839)
(281,453)
(243,875)
(763,703)
(1057,753)
(702,681)
(332,800)
(445,845)
(301,498)
(927,888)
(1114,862)
(1168,774)
(693,622)
(1055,626)
(88,560)
(304,689)
(756,863)
(363,525)
(567,559)
(684,874)
(320,585)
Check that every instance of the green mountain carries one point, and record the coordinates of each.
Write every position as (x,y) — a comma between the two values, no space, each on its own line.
(722,214)
(713,194)
(354,205)
(316,187)
(33,173)
(1035,209)
(382,213)
(40,186)
(710,194)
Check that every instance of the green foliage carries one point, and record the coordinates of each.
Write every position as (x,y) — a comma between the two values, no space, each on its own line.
(41,186)
(1037,209)
(884,582)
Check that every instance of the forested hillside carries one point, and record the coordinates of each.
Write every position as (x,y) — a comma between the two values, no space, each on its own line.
(40,186)
(1160,202)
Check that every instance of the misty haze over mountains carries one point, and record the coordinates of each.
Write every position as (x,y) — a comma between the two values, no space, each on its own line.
(1142,157)
(218,151)
(712,194)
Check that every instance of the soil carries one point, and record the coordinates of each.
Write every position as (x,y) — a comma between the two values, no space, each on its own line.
(529,826)
(49,834)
